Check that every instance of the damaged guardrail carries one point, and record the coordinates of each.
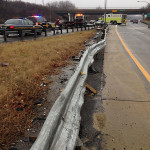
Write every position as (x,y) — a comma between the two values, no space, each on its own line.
(61,128)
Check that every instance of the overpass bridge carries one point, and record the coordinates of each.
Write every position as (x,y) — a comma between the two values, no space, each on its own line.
(138,11)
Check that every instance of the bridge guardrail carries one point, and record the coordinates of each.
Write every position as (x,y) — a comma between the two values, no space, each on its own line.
(61,128)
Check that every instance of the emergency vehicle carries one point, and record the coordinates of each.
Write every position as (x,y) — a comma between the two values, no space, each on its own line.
(79,19)
(39,20)
(115,18)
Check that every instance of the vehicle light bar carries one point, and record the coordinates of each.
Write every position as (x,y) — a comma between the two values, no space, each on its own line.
(79,15)
(36,16)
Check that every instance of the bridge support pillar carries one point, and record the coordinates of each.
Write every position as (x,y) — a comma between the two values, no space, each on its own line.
(143,16)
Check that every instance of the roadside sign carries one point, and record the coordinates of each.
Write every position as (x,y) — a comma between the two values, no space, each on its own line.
(148,14)
(122,10)
(114,10)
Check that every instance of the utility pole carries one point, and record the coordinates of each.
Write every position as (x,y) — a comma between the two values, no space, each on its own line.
(43,2)
(105,9)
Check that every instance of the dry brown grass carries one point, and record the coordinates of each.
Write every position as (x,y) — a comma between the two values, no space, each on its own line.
(29,62)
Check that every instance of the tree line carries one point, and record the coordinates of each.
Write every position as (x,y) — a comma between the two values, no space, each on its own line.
(14,9)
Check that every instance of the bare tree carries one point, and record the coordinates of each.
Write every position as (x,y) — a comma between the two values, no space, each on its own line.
(65,5)
(98,7)
(62,5)
(23,9)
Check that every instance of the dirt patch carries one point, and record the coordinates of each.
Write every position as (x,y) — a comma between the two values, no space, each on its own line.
(99,121)
(84,148)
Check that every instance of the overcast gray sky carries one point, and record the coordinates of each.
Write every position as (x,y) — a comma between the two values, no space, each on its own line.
(97,3)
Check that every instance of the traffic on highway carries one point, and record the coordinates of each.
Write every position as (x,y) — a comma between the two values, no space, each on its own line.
(36,25)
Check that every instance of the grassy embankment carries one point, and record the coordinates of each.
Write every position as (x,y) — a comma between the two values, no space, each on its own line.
(29,62)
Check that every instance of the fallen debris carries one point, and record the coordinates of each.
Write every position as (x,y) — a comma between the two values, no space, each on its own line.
(38,101)
(62,80)
(5,64)
(43,84)
(76,58)
(91,88)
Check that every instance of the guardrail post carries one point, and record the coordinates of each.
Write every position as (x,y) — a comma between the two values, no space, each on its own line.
(67,29)
(35,33)
(81,28)
(45,32)
(21,34)
(72,29)
(77,28)
(85,27)
(5,35)
(103,34)
(88,28)
(54,31)
(61,30)
(97,39)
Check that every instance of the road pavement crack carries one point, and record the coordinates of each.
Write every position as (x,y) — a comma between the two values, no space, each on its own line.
(137,101)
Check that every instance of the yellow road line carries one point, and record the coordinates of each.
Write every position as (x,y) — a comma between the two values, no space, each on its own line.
(145,73)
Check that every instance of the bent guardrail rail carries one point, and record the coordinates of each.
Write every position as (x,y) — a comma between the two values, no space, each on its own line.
(61,128)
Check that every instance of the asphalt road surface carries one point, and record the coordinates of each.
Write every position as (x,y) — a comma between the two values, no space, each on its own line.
(125,121)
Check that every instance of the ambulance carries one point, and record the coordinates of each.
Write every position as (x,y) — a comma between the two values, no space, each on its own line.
(115,18)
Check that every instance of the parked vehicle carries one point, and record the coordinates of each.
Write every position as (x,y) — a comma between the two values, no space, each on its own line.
(39,20)
(115,18)
(79,20)
(99,23)
(61,23)
(17,25)
(92,22)
(66,24)
(135,21)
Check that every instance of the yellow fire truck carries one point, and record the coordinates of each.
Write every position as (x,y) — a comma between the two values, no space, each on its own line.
(115,18)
